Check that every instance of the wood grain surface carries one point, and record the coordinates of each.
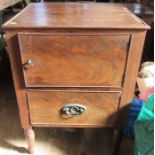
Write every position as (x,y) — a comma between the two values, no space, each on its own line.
(14,57)
(94,49)
(45,108)
(76,15)
(74,60)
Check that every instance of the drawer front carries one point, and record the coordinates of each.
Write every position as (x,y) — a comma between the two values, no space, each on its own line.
(73,109)
(73,60)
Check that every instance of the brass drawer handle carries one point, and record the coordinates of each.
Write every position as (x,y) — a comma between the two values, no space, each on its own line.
(28,64)
(73,109)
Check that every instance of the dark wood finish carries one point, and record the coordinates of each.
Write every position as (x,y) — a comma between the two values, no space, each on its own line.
(18,78)
(45,108)
(72,60)
(71,15)
(77,53)
(134,58)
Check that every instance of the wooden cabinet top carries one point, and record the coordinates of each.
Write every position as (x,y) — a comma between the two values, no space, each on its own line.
(76,15)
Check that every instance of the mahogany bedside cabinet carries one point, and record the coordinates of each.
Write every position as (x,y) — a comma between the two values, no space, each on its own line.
(74,64)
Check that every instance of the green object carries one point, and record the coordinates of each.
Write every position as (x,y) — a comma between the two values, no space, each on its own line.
(2,44)
(144,129)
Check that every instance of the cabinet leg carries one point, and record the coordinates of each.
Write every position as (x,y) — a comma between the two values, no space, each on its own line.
(88,135)
(117,136)
(30,137)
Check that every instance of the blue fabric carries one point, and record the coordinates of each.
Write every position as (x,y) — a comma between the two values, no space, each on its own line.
(134,110)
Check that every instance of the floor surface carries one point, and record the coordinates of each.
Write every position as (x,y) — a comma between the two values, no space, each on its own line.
(49,141)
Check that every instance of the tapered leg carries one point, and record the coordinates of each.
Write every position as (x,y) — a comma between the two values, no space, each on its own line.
(88,135)
(117,136)
(30,137)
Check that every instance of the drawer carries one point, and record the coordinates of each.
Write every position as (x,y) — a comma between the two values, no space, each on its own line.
(73,60)
(73,109)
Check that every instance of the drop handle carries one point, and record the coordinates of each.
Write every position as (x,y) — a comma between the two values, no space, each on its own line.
(28,64)
(72,110)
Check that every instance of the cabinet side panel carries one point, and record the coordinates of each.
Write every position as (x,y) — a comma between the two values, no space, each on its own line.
(13,51)
(134,58)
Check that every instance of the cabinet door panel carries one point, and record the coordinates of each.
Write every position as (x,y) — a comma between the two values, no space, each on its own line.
(73,60)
